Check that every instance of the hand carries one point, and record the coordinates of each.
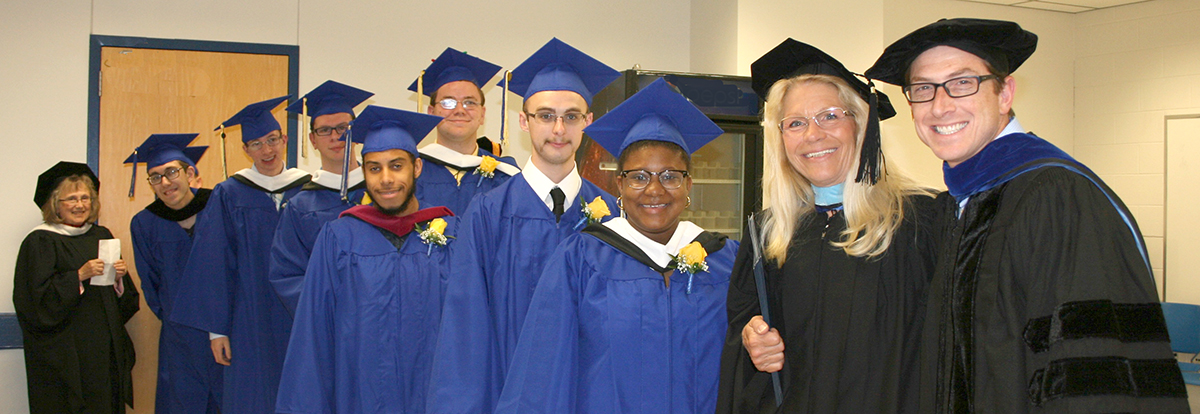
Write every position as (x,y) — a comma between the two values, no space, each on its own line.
(764,346)
(221,351)
(92,268)
(119,266)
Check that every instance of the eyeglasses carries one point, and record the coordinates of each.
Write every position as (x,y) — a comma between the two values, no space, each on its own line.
(549,118)
(451,103)
(640,179)
(171,174)
(327,130)
(76,200)
(826,119)
(272,141)
(959,87)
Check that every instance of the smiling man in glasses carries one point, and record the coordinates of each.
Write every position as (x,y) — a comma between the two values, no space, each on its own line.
(510,231)
(189,381)
(330,108)
(1043,298)
(458,168)
(224,290)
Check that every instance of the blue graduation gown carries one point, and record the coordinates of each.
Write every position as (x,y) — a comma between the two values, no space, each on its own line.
(299,224)
(225,291)
(189,380)
(366,323)
(604,334)
(506,237)
(436,185)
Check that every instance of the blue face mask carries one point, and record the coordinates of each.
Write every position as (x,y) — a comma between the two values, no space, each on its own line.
(828,196)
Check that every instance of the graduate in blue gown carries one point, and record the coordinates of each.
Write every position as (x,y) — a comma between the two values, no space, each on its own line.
(330,108)
(368,315)
(508,233)
(457,170)
(629,316)
(225,291)
(189,381)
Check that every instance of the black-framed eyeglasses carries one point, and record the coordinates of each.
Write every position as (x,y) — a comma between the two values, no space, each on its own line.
(959,87)
(826,119)
(171,174)
(640,179)
(451,103)
(272,141)
(329,130)
(549,118)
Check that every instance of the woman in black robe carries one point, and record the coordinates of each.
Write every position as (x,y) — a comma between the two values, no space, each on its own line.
(78,356)
(847,251)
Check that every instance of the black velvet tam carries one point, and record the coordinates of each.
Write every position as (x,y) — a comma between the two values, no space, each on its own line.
(1003,44)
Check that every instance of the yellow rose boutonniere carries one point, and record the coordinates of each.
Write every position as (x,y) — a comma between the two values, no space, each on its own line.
(432,234)
(486,168)
(690,260)
(592,212)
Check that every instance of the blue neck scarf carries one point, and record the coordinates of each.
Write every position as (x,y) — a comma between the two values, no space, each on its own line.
(828,197)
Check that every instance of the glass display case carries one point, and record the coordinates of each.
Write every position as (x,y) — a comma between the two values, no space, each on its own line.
(725,173)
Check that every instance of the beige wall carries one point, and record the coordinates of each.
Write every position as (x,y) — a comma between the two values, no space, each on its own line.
(1121,71)
(1136,65)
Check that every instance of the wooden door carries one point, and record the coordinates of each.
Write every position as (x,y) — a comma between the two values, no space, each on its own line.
(149,91)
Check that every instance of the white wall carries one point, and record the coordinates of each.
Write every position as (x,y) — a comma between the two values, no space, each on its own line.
(45,101)
(1136,65)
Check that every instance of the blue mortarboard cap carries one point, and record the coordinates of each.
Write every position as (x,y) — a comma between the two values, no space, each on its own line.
(256,119)
(330,98)
(160,149)
(453,66)
(656,113)
(382,129)
(559,67)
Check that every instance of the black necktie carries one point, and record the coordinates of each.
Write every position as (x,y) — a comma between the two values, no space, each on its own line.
(558,196)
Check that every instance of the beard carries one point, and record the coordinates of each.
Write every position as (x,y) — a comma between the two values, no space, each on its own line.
(395,211)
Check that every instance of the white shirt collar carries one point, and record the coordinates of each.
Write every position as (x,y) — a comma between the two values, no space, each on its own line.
(685,233)
(284,178)
(334,181)
(63,229)
(462,161)
(1013,127)
(542,185)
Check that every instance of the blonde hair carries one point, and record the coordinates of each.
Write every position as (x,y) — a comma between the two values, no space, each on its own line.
(68,185)
(873,212)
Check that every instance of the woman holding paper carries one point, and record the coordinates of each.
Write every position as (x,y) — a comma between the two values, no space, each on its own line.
(72,306)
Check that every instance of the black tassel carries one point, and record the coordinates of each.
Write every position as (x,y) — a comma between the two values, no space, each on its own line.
(869,158)
(133,179)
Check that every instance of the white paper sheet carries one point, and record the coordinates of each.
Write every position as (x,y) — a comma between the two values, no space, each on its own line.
(110,252)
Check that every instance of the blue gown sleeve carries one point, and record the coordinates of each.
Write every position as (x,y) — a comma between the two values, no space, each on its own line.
(306,385)
(147,269)
(289,258)
(542,378)
(205,296)
(465,378)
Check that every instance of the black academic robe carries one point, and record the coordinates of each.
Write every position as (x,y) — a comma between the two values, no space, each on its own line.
(78,356)
(1043,303)
(850,325)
